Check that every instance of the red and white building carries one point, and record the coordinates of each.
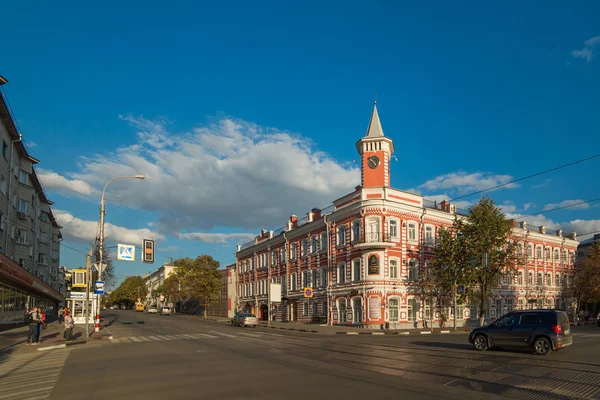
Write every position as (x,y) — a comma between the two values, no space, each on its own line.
(364,254)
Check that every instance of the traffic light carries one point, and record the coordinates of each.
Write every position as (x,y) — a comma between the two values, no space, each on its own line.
(148,251)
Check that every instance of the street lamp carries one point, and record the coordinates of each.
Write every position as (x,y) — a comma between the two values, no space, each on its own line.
(101,240)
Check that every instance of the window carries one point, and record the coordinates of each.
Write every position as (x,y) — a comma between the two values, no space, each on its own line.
(520,278)
(564,256)
(413,309)
(530,320)
(540,279)
(293,282)
(22,206)
(323,241)
(539,253)
(357,310)
(4,149)
(520,249)
(324,276)
(304,247)
(54,255)
(21,236)
(499,311)
(548,255)
(341,273)
(556,255)
(284,286)
(521,304)
(530,251)
(356,231)
(505,321)
(294,251)
(282,254)
(549,279)
(341,310)
(341,235)
(412,232)
(394,269)
(316,274)
(3,184)
(429,235)
(412,269)
(305,310)
(304,279)
(510,305)
(394,307)
(356,269)
(23,177)
(393,228)
(557,280)
(530,278)
(274,257)
(314,243)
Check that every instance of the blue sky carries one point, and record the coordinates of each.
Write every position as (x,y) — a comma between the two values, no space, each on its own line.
(242,114)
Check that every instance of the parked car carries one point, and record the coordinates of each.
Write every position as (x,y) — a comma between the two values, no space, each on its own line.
(244,320)
(165,311)
(541,330)
(152,310)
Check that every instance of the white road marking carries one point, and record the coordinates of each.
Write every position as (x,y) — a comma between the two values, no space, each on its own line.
(163,337)
(223,334)
(173,337)
(145,339)
(207,335)
(155,338)
(135,339)
(115,340)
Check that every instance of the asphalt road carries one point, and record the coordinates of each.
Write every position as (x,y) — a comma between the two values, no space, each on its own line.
(156,356)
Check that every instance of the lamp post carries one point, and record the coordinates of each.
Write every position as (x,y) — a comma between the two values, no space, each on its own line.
(101,241)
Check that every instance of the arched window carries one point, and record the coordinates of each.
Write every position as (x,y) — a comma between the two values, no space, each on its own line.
(341,306)
(356,231)
(520,278)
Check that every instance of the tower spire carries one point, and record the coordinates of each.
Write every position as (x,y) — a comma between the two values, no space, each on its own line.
(374,130)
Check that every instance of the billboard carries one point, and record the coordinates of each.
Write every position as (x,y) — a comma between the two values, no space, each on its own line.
(275,292)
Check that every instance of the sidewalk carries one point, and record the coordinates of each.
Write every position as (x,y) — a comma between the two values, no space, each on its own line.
(14,341)
(336,329)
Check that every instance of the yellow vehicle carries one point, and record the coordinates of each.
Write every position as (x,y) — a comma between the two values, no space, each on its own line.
(139,306)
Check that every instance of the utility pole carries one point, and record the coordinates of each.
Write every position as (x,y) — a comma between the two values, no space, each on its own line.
(88,267)
(454,297)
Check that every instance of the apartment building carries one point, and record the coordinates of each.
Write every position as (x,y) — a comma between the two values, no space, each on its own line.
(153,281)
(363,257)
(29,233)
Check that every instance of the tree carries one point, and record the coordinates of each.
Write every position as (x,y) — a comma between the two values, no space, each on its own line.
(170,288)
(129,290)
(452,259)
(584,281)
(108,273)
(486,233)
(199,279)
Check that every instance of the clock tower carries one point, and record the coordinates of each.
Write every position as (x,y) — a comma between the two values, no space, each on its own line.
(375,151)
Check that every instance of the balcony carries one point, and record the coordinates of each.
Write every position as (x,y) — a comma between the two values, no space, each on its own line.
(374,240)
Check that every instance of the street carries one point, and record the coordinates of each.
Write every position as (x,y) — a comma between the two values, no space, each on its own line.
(153,356)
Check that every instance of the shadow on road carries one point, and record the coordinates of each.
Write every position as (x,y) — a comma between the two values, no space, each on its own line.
(457,346)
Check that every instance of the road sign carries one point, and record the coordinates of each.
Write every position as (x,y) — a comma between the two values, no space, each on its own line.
(99,287)
(77,295)
(126,252)
(308,292)
(104,265)
(460,289)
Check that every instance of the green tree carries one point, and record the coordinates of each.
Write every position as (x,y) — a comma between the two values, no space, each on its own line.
(452,260)
(129,290)
(584,281)
(108,274)
(486,233)
(199,279)
(170,288)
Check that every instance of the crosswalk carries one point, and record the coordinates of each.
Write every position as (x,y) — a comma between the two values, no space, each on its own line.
(192,336)
(30,375)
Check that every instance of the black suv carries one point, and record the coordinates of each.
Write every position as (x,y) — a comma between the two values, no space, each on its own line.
(542,330)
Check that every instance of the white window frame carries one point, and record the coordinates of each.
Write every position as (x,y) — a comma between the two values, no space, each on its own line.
(304,247)
(341,235)
(324,276)
(356,230)
(23,206)
(315,280)
(294,251)
(394,309)
(394,268)
(412,231)
(520,277)
(314,244)
(413,265)
(293,281)
(323,240)
(394,228)
(429,234)
(305,282)
(23,177)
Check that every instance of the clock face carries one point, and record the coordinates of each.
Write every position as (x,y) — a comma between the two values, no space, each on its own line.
(373,162)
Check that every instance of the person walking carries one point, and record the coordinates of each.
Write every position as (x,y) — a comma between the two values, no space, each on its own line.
(41,324)
(31,319)
(61,315)
(69,324)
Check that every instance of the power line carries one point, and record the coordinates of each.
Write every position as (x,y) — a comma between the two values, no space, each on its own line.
(559,208)
(527,177)
(69,247)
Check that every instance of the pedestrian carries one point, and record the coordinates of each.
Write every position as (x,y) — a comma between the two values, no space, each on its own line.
(31,319)
(61,315)
(41,324)
(443,320)
(69,324)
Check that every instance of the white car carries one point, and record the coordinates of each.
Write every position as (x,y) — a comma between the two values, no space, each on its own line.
(165,311)
(152,310)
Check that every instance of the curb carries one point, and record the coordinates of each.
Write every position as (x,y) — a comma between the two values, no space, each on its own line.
(56,346)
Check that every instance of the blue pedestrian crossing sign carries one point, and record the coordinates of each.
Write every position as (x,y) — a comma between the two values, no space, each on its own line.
(126,252)
(99,287)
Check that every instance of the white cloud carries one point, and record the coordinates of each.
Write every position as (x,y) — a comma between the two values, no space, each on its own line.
(508,208)
(583,227)
(526,206)
(567,203)
(229,173)
(81,230)
(217,237)
(535,220)
(587,52)
(462,204)
(58,183)
(463,182)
